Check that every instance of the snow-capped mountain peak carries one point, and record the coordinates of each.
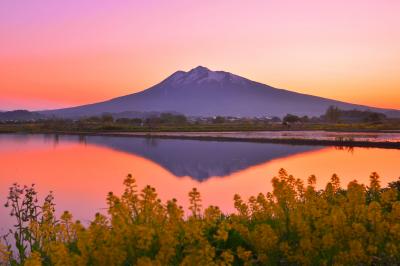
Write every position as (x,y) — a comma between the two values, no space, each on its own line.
(201,75)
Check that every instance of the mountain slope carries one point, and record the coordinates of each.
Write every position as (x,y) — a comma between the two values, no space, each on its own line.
(202,92)
(20,115)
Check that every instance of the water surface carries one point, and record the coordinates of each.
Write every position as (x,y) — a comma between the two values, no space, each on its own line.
(82,170)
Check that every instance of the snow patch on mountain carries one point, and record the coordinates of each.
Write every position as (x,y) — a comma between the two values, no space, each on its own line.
(200,75)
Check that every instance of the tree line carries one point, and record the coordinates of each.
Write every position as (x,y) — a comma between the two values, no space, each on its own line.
(335,115)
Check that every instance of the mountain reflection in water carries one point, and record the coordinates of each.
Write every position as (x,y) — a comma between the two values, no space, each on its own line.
(200,159)
(197,159)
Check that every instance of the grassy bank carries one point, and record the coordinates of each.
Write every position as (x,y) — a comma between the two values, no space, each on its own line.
(295,224)
(82,126)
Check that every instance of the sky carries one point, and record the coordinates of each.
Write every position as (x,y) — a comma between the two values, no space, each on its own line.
(70,52)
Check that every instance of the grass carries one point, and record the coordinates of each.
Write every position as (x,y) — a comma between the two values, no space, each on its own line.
(60,126)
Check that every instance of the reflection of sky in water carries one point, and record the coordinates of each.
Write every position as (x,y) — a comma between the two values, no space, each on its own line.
(82,170)
(194,158)
(200,159)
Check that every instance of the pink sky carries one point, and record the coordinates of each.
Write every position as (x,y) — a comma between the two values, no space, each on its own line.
(63,53)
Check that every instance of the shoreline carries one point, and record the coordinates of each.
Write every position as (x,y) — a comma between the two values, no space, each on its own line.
(278,137)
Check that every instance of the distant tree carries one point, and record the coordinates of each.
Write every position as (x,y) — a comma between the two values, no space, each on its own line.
(167,118)
(123,120)
(136,121)
(175,119)
(153,121)
(219,120)
(356,116)
(181,119)
(107,118)
(93,119)
(315,119)
(305,119)
(373,117)
(275,119)
(332,114)
(289,118)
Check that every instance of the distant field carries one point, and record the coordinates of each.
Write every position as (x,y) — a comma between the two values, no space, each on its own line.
(56,126)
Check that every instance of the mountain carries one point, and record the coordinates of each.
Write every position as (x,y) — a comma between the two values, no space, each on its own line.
(20,115)
(202,92)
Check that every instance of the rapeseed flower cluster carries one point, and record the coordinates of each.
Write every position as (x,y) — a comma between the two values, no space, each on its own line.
(295,224)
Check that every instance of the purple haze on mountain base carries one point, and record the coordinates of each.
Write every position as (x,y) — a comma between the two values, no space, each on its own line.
(202,92)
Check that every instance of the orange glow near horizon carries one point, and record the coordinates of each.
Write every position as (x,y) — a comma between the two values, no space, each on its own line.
(66,53)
